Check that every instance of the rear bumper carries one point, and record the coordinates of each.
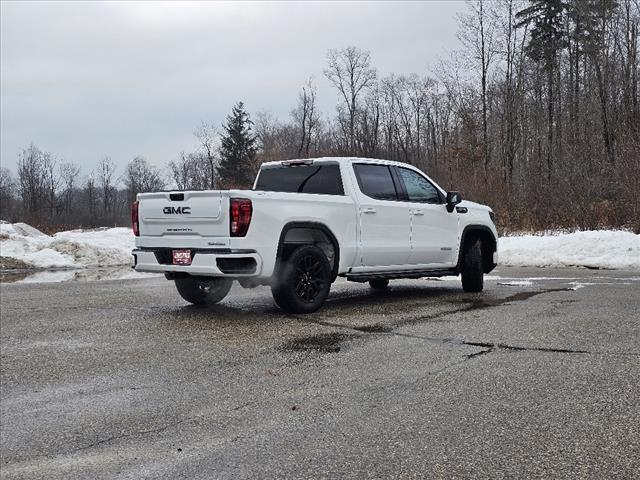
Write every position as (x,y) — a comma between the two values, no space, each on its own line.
(205,262)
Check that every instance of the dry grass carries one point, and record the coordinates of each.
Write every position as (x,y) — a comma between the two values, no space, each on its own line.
(8,263)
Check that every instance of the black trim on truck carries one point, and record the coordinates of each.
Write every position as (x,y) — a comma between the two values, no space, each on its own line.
(311,225)
(237,265)
(391,275)
(487,251)
(218,251)
(164,257)
(374,192)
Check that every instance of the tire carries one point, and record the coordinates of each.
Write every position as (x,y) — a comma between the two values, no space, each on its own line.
(379,283)
(303,281)
(472,271)
(203,290)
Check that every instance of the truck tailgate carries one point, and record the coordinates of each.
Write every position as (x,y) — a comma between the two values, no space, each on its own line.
(192,213)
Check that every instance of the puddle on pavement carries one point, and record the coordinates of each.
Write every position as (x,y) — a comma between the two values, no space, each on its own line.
(488,302)
(323,343)
(66,275)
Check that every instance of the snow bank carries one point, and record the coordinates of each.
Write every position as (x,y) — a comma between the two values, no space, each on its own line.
(112,246)
(595,249)
(72,249)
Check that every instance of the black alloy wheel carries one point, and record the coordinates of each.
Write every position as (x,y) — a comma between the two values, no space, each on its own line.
(308,278)
(304,280)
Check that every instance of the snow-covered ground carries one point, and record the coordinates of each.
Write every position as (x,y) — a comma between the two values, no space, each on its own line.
(594,249)
(112,246)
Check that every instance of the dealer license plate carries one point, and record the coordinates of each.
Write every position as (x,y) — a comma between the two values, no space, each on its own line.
(182,257)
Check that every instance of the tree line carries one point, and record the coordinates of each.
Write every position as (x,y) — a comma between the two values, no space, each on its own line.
(537,115)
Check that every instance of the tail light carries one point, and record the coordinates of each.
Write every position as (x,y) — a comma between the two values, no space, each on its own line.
(134,219)
(240,211)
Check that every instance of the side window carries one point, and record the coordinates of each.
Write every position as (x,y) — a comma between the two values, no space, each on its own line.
(324,180)
(376,181)
(419,189)
(319,179)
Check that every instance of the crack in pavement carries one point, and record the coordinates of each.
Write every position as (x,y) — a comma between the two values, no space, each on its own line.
(143,432)
(489,347)
(125,435)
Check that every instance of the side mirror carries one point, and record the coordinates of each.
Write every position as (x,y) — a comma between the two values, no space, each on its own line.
(453,198)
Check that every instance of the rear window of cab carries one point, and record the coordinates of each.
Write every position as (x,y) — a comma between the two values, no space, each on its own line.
(320,179)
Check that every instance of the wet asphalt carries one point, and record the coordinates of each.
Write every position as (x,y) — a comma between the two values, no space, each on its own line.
(538,376)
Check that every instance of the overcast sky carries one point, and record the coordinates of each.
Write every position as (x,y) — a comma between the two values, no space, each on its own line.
(84,80)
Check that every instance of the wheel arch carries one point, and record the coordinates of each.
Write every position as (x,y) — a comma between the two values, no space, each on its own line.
(488,242)
(298,233)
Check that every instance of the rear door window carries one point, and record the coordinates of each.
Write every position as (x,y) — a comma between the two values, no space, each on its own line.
(318,179)
(376,181)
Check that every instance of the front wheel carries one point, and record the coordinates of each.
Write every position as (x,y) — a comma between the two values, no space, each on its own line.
(304,281)
(472,271)
(203,290)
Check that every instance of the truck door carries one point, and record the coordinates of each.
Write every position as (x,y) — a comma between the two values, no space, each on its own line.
(434,230)
(384,238)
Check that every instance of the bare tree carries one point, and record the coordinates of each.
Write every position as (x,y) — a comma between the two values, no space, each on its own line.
(208,138)
(350,71)
(8,198)
(52,183)
(141,177)
(106,180)
(69,173)
(91,195)
(478,36)
(306,117)
(510,41)
(32,181)
(368,131)
(276,140)
(181,171)
(190,171)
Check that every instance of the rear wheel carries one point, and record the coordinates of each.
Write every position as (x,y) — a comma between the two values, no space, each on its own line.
(472,271)
(379,283)
(304,281)
(203,290)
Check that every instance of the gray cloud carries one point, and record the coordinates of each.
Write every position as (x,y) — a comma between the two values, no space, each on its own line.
(87,79)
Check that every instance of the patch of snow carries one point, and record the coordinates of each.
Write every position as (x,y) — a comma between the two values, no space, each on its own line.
(456,278)
(27,230)
(593,249)
(517,283)
(577,285)
(71,249)
(540,279)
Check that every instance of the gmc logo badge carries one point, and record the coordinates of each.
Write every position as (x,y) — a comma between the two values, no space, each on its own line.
(177,210)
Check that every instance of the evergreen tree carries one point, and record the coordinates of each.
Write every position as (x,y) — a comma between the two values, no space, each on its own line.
(548,35)
(546,40)
(237,149)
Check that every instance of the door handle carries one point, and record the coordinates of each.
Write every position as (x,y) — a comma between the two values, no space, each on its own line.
(369,210)
(417,213)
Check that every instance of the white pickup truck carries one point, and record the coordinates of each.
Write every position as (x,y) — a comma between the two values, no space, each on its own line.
(306,222)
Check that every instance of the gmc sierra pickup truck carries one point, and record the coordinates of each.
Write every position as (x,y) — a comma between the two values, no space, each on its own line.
(306,222)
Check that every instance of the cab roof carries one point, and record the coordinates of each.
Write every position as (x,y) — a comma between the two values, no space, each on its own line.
(340,160)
